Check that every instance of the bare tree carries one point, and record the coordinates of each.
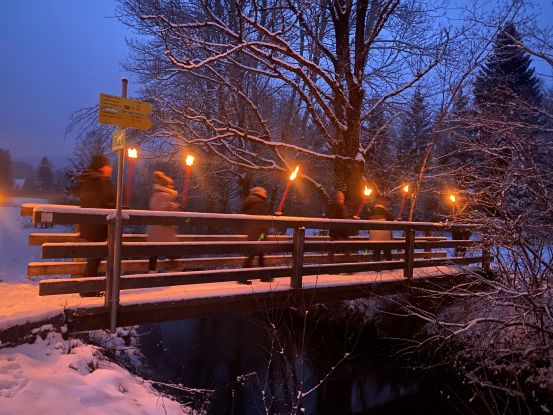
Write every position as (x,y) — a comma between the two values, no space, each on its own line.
(263,84)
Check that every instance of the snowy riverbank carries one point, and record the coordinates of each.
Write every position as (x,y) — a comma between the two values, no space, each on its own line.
(53,375)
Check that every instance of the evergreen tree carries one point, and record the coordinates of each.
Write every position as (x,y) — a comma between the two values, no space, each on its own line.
(415,133)
(6,177)
(506,119)
(44,176)
(507,76)
(379,157)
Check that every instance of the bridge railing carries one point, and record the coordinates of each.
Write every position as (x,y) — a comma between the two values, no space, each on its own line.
(300,255)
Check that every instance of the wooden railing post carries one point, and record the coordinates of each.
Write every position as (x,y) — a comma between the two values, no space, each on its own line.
(428,233)
(409,252)
(486,257)
(297,257)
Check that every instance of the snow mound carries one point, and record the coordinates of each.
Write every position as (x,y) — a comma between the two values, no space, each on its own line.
(53,376)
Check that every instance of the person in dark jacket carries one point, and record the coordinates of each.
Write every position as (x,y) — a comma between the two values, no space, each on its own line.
(339,210)
(380,212)
(95,191)
(255,204)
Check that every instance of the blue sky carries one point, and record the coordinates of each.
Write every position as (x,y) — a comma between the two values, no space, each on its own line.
(57,56)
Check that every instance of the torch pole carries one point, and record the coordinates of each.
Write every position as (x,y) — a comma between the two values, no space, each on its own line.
(186,184)
(281,204)
(401,205)
(114,295)
(360,207)
(128,185)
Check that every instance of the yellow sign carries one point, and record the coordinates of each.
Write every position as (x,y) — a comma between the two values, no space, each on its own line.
(124,120)
(125,104)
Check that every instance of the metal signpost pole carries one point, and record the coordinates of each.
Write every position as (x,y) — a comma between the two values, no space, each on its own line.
(118,229)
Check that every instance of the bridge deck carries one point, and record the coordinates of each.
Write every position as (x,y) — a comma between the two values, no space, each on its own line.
(171,303)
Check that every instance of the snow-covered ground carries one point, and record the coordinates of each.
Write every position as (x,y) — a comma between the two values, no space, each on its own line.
(53,375)
(57,376)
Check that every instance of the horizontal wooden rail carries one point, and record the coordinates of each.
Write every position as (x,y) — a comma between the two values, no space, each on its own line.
(37,239)
(35,269)
(145,249)
(76,285)
(43,213)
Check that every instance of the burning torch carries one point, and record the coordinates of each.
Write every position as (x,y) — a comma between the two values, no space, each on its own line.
(453,200)
(188,161)
(132,154)
(292,178)
(405,192)
(366,193)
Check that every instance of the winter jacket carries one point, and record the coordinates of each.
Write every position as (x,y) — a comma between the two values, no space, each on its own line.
(380,212)
(255,205)
(338,211)
(163,198)
(95,191)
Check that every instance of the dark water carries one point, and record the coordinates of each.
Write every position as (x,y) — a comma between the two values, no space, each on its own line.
(231,355)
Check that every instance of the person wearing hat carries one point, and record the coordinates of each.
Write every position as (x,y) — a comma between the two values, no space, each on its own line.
(164,197)
(95,190)
(255,204)
(380,212)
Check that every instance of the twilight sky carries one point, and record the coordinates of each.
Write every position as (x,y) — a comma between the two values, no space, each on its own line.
(57,56)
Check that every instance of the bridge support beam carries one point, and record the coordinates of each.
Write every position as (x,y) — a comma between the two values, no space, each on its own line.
(409,252)
(297,258)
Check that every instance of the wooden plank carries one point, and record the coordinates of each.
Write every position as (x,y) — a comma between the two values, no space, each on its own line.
(84,319)
(145,249)
(72,215)
(140,265)
(449,243)
(75,285)
(37,239)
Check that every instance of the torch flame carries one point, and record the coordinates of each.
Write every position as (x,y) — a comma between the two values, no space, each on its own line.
(367,192)
(294,173)
(406,188)
(452,198)
(132,153)
(189,160)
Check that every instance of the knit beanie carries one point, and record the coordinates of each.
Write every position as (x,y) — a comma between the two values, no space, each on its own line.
(162,179)
(259,191)
(98,162)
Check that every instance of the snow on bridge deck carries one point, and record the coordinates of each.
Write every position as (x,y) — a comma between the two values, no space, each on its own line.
(21,303)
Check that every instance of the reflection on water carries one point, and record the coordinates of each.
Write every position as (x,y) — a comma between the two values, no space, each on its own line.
(244,358)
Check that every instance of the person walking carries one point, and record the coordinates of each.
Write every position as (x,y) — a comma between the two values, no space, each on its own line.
(255,204)
(164,197)
(380,212)
(95,190)
(338,210)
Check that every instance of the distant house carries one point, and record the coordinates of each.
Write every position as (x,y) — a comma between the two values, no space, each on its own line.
(18,184)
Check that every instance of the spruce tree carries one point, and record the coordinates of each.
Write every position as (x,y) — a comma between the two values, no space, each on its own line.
(415,133)
(507,122)
(507,76)
(45,178)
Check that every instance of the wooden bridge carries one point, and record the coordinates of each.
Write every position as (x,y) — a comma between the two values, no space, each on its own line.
(305,269)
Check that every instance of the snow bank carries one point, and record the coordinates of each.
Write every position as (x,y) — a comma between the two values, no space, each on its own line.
(54,376)
(15,252)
